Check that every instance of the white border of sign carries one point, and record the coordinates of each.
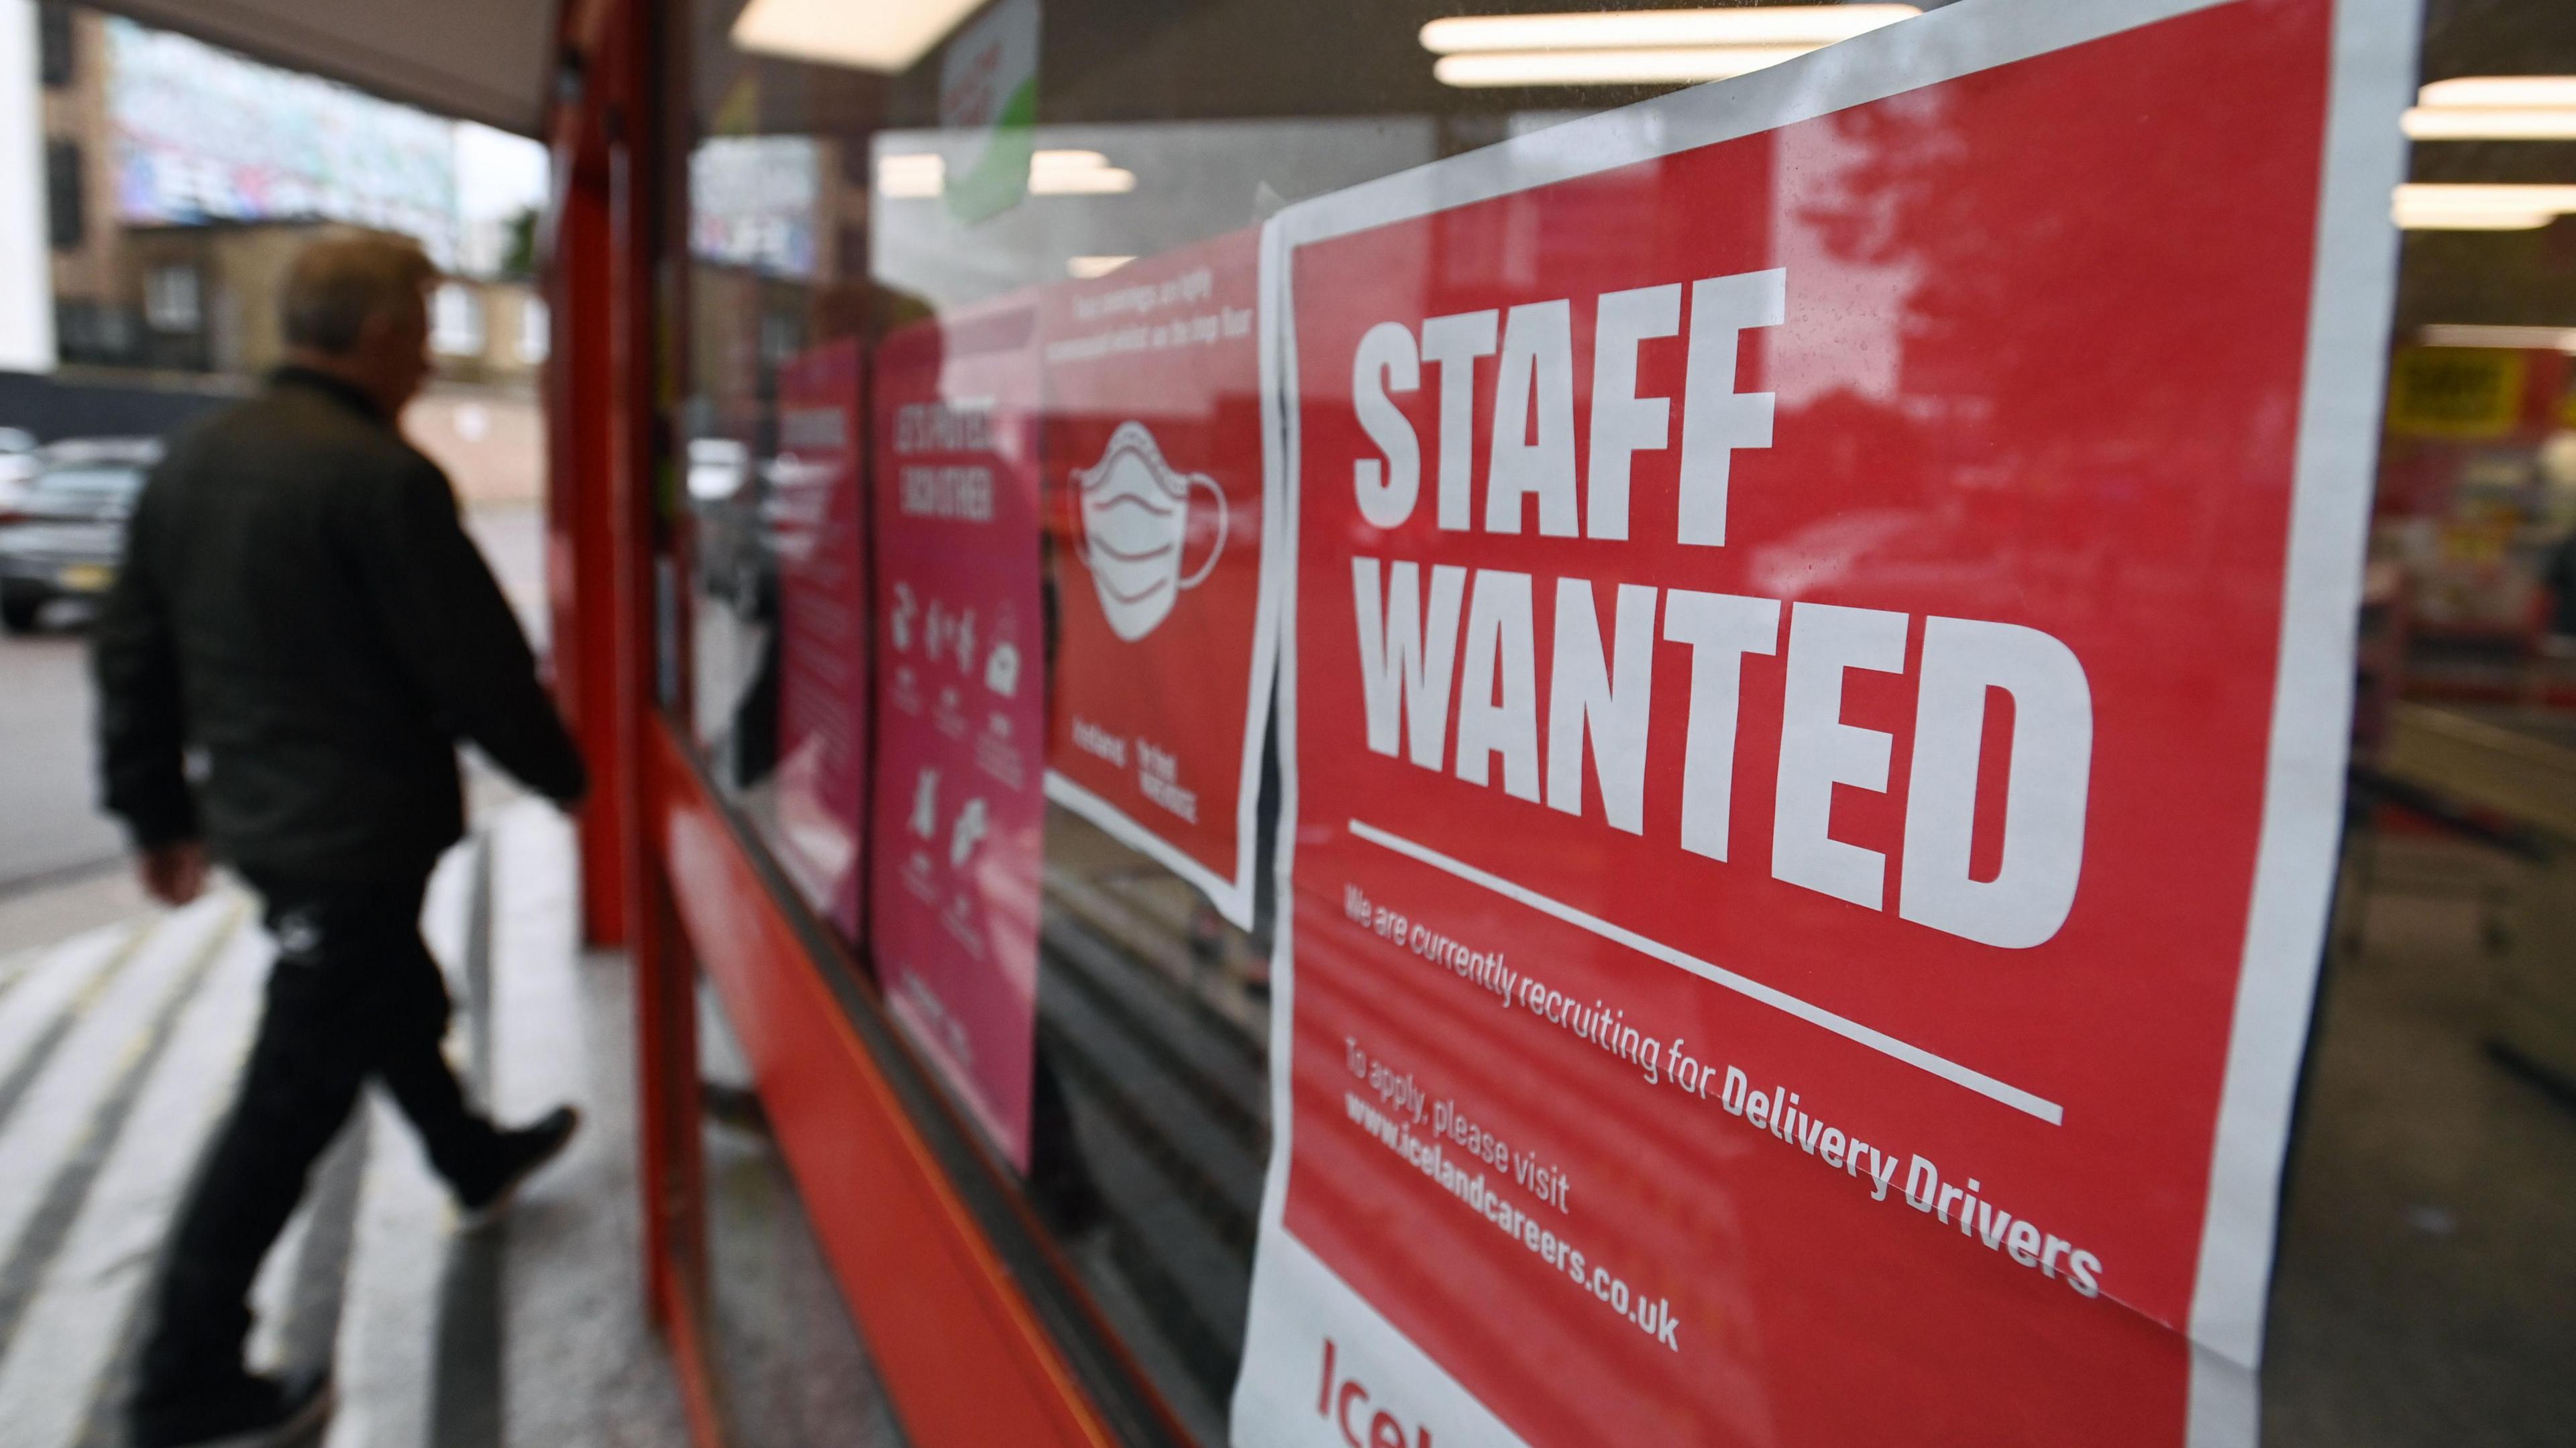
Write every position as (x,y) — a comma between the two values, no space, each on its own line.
(2372,76)
(1232,898)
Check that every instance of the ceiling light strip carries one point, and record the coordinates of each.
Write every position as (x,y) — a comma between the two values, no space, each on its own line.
(2479,123)
(1806,26)
(1610,67)
(882,35)
(2469,334)
(2555,92)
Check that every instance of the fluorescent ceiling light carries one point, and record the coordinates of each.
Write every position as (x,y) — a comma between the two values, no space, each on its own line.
(881,35)
(1804,26)
(1639,47)
(1609,67)
(2484,123)
(918,175)
(2432,206)
(911,176)
(2471,220)
(2495,108)
(2494,198)
(2462,334)
(1087,267)
(1107,181)
(1077,173)
(2504,92)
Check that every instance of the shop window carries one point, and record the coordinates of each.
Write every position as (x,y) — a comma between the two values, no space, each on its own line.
(536,334)
(979,585)
(456,320)
(55,52)
(170,299)
(95,332)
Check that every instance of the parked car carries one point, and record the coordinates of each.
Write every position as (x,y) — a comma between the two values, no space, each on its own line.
(65,534)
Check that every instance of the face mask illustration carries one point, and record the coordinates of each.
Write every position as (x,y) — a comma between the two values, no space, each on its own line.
(1133,512)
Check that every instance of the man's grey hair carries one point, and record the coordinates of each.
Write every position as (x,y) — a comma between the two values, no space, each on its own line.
(337,283)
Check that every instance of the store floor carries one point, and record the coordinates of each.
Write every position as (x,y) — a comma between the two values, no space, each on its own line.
(2426,1288)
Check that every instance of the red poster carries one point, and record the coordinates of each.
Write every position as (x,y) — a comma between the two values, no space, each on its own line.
(821,540)
(1814,714)
(1164,583)
(960,801)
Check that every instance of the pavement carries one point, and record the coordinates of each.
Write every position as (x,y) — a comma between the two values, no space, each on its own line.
(119,1047)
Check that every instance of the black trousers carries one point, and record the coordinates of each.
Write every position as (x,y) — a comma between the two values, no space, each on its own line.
(354,994)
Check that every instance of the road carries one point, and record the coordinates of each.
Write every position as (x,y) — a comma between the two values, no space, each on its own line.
(50,829)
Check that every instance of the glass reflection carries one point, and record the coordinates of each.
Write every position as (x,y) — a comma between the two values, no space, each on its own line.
(831,208)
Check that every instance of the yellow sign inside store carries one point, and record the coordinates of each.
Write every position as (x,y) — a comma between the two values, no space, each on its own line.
(2462,392)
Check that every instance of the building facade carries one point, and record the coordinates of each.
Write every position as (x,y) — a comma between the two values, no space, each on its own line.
(180,179)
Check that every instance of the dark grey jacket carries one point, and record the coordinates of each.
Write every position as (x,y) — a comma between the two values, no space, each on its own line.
(300,608)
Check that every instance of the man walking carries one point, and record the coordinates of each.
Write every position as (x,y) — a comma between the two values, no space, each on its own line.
(300,636)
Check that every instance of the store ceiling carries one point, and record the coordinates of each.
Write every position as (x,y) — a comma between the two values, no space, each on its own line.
(479,60)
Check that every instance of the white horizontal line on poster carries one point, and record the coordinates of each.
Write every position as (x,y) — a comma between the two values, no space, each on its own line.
(1779,1000)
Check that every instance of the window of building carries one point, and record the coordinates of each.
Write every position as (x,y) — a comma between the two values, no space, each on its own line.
(66,214)
(171,301)
(456,321)
(54,46)
(536,330)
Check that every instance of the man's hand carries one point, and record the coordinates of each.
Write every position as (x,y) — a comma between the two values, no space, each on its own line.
(175,873)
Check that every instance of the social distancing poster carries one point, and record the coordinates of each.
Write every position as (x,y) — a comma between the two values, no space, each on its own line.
(959,801)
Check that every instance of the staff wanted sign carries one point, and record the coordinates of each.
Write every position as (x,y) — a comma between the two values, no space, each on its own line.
(1814,709)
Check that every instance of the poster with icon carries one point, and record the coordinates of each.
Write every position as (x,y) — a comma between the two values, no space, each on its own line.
(1159,558)
(821,542)
(953,920)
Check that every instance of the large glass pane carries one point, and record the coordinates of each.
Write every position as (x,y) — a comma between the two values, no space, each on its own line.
(1998,325)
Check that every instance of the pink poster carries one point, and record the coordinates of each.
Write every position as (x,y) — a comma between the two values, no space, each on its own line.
(821,542)
(960,798)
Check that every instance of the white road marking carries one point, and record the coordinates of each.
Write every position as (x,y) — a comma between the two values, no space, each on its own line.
(56,1114)
(95,1285)
(388,1337)
(51,982)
